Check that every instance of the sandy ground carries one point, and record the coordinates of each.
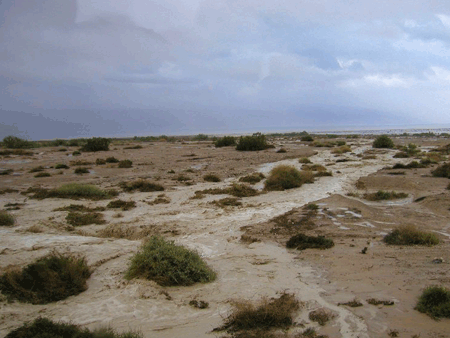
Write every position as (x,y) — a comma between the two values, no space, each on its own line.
(245,271)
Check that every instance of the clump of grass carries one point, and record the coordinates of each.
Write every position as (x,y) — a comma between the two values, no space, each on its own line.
(253,178)
(411,165)
(100,161)
(268,313)
(76,153)
(15,152)
(36,169)
(252,143)
(306,138)
(225,141)
(312,206)
(382,195)
(281,151)
(134,147)
(141,185)
(352,303)
(112,160)
(119,204)
(49,279)
(182,178)
(341,150)
(80,162)
(286,177)
(321,316)
(302,242)
(42,174)
(228,202)
(442,171)
(410,235)
(435,302)
(8,191)
(160,199)
(81,170)
(6,219)
(45,328)
(125,164)
(61,166)
(383,141)
(73,191)
(79,219)
(241,190)
(374,301)
(304,160)
(124,231)
(211,178)
(80,208)
(169,264)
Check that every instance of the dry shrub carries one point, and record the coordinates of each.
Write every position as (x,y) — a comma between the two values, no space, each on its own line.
(341,150)
(381,195)
(141,185)
(352,303)
(80,208)
(78,219)
(125,232)
(374,301)
(304,160)
(286,177)
(161,199)
(435,302)
(442,171)
(228,202)
(6,219)
(49,279)
(42,174)
(125,164)
(242,190)
(410,235)
(211,178)
(302,242)
(321,316)
(267,314)
(119,204)
(73,191)
(252,178)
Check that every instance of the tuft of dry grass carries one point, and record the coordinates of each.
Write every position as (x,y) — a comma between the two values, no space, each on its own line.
(302,242)
(410,235)
(79,219)
(252,178)
(125,232)
(321,316)
(352,303)
(119,204)
(381,195)
(286,177)
(228,202)
(141,185)
(374,301)
(6,219)
(211,178)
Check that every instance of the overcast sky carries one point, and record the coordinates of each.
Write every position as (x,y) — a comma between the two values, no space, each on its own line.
(73,68)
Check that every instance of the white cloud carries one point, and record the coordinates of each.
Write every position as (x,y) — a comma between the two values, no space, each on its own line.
(445,19)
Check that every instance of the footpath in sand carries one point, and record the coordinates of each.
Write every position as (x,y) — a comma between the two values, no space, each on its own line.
(245,271)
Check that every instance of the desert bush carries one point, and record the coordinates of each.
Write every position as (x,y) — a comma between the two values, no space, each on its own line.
(374,301)
(302,242)
(74,191)
(304,160)
(100,161)
(286,177)
(314,167)
(134,147)
(225,141)
(127,232)
(169,264)
(81,170)
(61,166)
(352,303)
(181,178)
(49,279)
(200,137)
(211,178)
(281,151)
(252,143)
(45,328)
(80,162)
(241,190)
(228,202)
(15,152)
(36,169)
(306,138)
(6,219)
(410,235)
(341,150)
(112,159)
(80,208)
(96,144)
(253,178)
(4,172)
(435,302)
(411,165)
(79,219)
(42,174)
(119,204)
(442,171)
(141,185)
(14,142)
(267,314)
(383,141)
(382,195)
(321,316)
(125,164)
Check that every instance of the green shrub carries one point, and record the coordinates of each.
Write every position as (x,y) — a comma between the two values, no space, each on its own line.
(252,143)
(307,138)
(169,264)
(200,137)
(125,164)
(74,191)
(45,328)
(96,144)
(14,142)
(73,143)
(79,219)
(81,170)
(111,160)
(36,169)
(286,177)
(442,171)
(141,185)
(225,141)
(253,178)
(119,204)
(6,219)
(302,242)
(435,302)
(61,166)
(383,141)
(381,195)
(410,235)
(49,279)
(211,178)
(43,174)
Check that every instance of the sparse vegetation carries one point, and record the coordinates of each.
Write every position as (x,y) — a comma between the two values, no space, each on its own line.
(160,199)
(125,231)
(304,160)
(383,141)
(134,147)
(61,166)
(252,143)
(73,191)
(241,190)
(76,153)
(306,138)
(81,170)
(96,144)
(302,242)
(182,178)
(45,328)
(6,219)
(435,302)
(374,301)
(42,174)
(111,160)
(6,171)
(36,169)
(225,141)
(442,171)
(49,279)
(352,303)
(410,235)
(79,219)
(381,195)
(341,150)
(321,316)
(125,164)
(281,151)
(169,264)
(228,202)
(21,152)
(14,142)
(119,204)
(411,165)
(141,185)
(211,178)
(80,208)
(100,161)
(286,177)
(253,178)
